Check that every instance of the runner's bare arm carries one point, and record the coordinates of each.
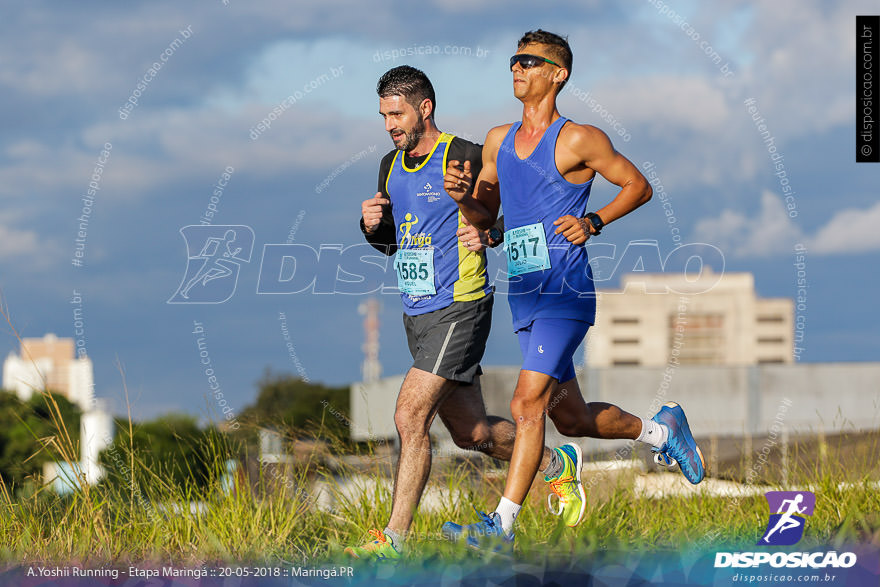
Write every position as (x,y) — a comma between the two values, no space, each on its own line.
(480,207)
(594,148)
(586,148)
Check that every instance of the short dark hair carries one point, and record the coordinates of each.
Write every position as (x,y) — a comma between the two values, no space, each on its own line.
(558,47)
(409,82)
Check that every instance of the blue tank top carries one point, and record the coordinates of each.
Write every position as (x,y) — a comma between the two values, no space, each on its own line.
(533,191)
(431,262)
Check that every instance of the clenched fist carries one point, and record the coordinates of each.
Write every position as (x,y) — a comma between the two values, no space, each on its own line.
(457,182)
(371,210)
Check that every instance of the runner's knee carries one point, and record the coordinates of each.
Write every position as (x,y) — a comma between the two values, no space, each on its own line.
(526,405)
(410,421)
(476,437)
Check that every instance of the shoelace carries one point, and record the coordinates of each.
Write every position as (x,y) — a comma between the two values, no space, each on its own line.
(489,523)
(556,488)
(487,519)
(379,536)
(662,458)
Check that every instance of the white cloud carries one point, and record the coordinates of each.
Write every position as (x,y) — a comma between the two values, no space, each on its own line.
(850,231)
(17,243)
(767,232)
(35,168)
(794,58)
(770,231)
(668,116)
(26,249)
(63,68)
(685,103)
(802,75)
(164,147)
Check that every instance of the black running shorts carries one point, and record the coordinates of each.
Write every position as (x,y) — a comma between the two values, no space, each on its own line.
(450,342)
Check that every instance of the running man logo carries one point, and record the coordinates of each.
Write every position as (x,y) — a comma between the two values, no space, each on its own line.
(787,511)
(214,257)
(410,239)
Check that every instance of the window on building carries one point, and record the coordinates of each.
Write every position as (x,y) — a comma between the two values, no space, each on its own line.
(770,340)
(771,319)
(625,341)
(626,362)
(697,339)
(624,320)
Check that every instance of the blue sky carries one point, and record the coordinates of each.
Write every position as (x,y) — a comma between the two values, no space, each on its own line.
(65,72)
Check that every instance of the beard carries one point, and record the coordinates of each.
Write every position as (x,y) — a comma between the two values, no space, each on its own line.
(412,137)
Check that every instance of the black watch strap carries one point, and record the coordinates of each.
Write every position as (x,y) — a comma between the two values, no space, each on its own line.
(496,236)
(596,221)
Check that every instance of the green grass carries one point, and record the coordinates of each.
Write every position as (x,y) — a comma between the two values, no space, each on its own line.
(273,520)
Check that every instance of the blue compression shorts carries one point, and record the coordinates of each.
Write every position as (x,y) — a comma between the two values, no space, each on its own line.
(548,345)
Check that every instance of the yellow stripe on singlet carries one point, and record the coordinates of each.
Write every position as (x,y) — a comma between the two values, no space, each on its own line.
(443,137)
(471,283)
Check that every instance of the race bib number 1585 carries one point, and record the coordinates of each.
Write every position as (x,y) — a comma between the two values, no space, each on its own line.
(415,271)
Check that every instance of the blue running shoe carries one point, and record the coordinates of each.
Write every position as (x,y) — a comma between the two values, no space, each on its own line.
(482,535)
(679,446)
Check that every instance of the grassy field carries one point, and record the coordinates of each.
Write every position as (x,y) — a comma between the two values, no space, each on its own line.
(269,518)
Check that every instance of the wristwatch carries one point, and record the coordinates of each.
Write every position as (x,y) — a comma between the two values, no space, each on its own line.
(496,236)
(596,221)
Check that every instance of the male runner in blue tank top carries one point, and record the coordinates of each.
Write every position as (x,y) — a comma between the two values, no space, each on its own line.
(446,297)
(540,171)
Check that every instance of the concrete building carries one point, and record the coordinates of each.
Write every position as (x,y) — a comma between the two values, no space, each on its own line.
(96,434)
(721,401)
(708,343)
(715,319)
(51,362)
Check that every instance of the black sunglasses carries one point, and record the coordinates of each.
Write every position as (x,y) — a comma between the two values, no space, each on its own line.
(527,61)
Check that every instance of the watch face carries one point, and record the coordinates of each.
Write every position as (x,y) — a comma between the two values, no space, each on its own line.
(596,221)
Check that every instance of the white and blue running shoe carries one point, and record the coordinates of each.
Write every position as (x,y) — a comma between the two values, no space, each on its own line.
(483,535)
(679,446)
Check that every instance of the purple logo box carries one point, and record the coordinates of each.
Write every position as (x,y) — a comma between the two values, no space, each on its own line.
(807,500)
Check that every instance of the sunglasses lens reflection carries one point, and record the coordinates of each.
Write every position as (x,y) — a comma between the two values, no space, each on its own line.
(525,61)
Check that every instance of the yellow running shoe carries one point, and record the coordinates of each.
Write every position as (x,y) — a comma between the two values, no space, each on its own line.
(379,549)
(567,486)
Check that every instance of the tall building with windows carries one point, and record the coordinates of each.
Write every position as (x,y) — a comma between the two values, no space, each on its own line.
(713,319)
(51,362)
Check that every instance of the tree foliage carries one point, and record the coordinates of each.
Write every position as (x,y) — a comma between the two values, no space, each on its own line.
(30,437)
(289,402)
(171,450)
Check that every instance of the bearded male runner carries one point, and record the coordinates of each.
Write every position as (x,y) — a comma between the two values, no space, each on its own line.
(446,297)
